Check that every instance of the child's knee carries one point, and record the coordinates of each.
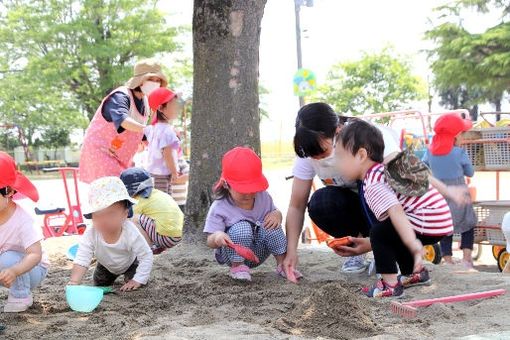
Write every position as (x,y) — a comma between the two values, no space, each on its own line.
(240,231)
(10,258)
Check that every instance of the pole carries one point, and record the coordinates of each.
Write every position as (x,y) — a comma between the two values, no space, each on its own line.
(297,8)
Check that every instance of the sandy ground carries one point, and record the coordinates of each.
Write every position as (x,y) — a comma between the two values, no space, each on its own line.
(191,297)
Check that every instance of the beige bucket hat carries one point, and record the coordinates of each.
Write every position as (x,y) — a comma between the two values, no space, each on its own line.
(104,192)
(143,70)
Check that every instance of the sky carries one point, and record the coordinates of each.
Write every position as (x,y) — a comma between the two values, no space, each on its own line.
(333,31)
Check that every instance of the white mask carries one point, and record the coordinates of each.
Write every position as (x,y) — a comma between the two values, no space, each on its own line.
(149,86)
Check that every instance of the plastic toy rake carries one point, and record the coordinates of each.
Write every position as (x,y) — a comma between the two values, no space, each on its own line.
(244,252)
(409,309)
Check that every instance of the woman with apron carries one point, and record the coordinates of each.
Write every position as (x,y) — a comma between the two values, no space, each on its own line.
(116,130)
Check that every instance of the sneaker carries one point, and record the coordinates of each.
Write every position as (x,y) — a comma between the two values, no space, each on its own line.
(16,305)
(415,279)
(157,250)
(354,265)
(241,273)
(381,289)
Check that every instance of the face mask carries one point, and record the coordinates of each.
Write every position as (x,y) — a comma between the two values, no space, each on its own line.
(328,161)
(149,86)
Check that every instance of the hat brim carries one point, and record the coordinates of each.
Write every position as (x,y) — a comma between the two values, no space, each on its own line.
(135,82)
(253,186)
(24,187)
(87,213)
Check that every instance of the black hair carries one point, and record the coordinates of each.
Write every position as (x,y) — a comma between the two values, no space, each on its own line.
(359,134)
(6,191)
(220,191)
(314,122)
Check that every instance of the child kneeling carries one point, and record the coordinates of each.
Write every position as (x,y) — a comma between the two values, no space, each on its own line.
(157,215)
(113,240)
(243,213)
(23,264)
(399,224)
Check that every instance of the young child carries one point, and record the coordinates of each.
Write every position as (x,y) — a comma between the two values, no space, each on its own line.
(450,163)
(163,142)
(157,215)
(244,213)
(113,240)
(397,223)
(23,264)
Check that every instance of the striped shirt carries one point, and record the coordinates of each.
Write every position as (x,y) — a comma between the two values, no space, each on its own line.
(429,214)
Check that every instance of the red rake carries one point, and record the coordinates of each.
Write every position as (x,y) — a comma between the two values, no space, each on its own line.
(409,310)
(244,252)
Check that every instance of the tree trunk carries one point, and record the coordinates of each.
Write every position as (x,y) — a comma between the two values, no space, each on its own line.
(226,36)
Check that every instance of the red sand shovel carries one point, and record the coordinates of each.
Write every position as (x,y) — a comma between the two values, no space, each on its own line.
(244,252)
(409,310)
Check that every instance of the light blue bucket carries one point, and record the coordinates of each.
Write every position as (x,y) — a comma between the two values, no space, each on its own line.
(83,298)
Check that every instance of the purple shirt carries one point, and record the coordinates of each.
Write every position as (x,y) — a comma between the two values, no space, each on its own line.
(224,213)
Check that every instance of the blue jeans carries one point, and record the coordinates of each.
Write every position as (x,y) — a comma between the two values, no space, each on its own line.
(26,282)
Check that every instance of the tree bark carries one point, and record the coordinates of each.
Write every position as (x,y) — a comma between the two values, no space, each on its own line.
(226,37)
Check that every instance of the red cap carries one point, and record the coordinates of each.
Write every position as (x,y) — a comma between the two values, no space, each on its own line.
(11,177)
(159,97)
(242,170)
(447,127)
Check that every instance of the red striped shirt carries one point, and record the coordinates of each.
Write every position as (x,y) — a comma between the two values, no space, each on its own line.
(429,214)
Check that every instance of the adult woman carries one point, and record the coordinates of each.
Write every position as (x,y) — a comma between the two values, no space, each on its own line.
(334,208)
(116,130)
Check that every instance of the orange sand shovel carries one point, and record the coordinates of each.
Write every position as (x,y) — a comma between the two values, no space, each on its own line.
(409,310)
(338,242)
(244,252)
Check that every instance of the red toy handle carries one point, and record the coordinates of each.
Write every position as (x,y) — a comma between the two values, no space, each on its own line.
(456,298)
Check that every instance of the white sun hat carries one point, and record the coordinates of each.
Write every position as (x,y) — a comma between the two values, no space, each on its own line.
(104,192)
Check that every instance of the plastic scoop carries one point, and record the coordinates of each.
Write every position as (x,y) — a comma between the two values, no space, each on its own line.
(244,252)
(106,289)
(71,252)
(83,298)
(338,242)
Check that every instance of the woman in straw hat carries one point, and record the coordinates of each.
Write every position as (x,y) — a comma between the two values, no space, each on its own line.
(116,129)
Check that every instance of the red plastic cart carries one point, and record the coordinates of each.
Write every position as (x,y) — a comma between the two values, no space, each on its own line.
(61,221)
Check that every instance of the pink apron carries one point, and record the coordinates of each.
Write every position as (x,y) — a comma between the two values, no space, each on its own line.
(106,152)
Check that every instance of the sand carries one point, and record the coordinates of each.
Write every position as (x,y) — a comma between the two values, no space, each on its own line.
(191,297)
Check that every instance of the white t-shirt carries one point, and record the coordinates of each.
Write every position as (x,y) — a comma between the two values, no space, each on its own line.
(119,256)
(19,233)
(308,168)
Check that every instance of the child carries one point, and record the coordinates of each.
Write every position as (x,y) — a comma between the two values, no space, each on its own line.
(397,223)
(450,163)
(113,240)
(23,264)
(157,216)
(244,213)
(163,142)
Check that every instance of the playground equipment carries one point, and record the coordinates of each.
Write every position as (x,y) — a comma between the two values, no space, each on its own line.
(59,221)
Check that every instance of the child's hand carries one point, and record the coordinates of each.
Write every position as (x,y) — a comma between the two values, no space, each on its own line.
(130,285)
(7,277)
(273,220)
(221,239)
